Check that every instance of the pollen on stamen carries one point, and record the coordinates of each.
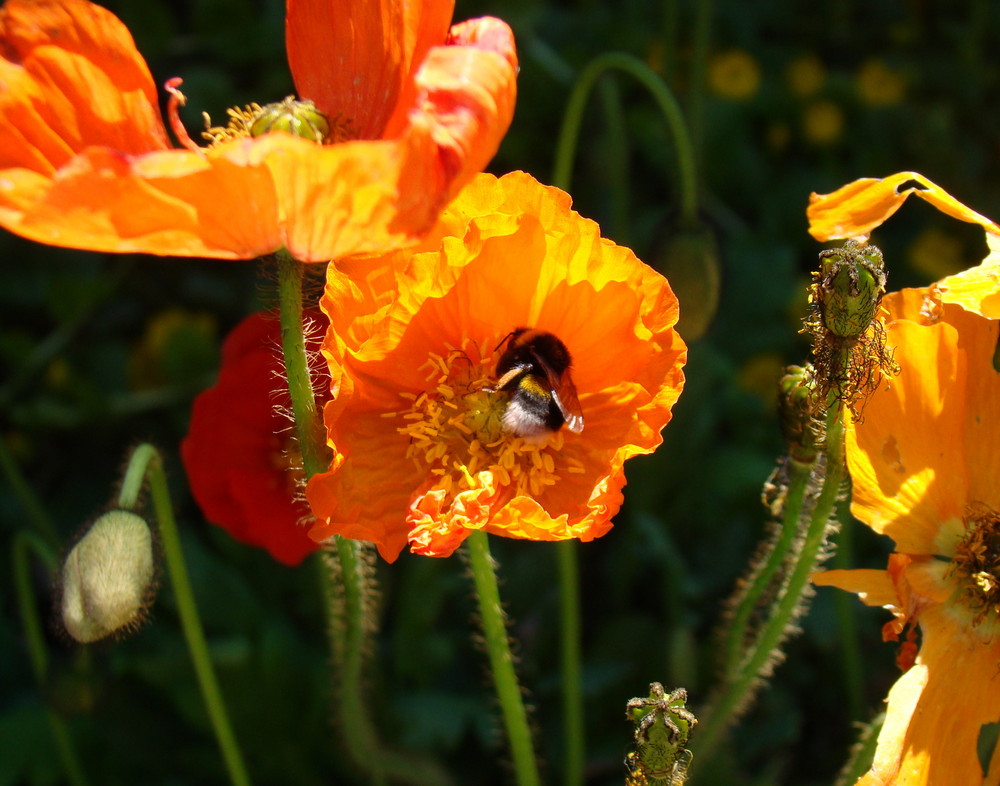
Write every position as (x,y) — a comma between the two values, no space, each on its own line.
(238,126)
(455,431)
(976,564)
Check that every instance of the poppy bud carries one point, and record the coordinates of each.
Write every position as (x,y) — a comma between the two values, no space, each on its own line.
(795,412)
(108,577)
(689,258)
(300,118)
(848,288)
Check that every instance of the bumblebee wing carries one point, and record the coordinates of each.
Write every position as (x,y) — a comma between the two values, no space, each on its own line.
(564,393)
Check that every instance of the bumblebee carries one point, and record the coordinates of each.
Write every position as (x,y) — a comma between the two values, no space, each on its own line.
(535,368)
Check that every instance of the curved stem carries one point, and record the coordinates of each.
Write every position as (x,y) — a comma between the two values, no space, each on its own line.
(145,462)
(501,660)
(714,722)
(569,593)
(573,119)
(617,159)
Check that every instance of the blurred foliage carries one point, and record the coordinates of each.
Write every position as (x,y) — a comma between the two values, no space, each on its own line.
(98,352)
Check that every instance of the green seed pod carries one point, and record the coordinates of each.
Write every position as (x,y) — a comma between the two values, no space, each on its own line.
(689,257)
(300,118)
(108,577)
(663,724)
(849,287)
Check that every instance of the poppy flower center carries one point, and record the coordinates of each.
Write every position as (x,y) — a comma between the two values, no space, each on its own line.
(293,116)
(299,118)
(976,563)
(455,430)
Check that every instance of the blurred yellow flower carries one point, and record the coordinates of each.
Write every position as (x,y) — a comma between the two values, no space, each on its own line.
(733,75)
(880,85)
(174,340)
(823,122)
(805,75)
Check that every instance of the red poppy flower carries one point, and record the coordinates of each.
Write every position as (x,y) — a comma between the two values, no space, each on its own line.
(423,452)
(85,161)
(239,454)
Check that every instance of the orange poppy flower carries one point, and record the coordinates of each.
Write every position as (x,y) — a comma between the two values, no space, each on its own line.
(924,465)
(854,210)
(239,453)
(422,456)
(85,160)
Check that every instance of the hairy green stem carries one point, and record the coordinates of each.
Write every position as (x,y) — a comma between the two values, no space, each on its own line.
(569,134)
(572,670)
(345,576)
(308,426)
(736,640)
(505,682)
(713,722)
(145,462)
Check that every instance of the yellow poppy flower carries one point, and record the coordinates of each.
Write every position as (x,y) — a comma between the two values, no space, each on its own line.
(924,465)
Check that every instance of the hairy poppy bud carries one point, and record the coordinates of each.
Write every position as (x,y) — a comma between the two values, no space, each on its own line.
(108,577)
(795,413)
(849,287)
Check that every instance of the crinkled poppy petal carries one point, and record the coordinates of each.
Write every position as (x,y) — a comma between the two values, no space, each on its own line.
(458,288)
(978,288)
(936,710)
(465,94)
(234,452)
(366,493)
(353,197)
(172,202)
(906,458)
(856,209)
(71,78)
(356,58)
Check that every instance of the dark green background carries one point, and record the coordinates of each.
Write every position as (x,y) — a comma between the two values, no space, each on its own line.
(653,588)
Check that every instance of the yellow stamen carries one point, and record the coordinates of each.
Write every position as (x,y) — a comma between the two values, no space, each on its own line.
(455,430)
(976,564)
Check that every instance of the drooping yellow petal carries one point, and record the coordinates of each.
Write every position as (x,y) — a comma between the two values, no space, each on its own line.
(854,210)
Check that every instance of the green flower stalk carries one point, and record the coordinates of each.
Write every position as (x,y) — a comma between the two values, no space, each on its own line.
(849,361)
